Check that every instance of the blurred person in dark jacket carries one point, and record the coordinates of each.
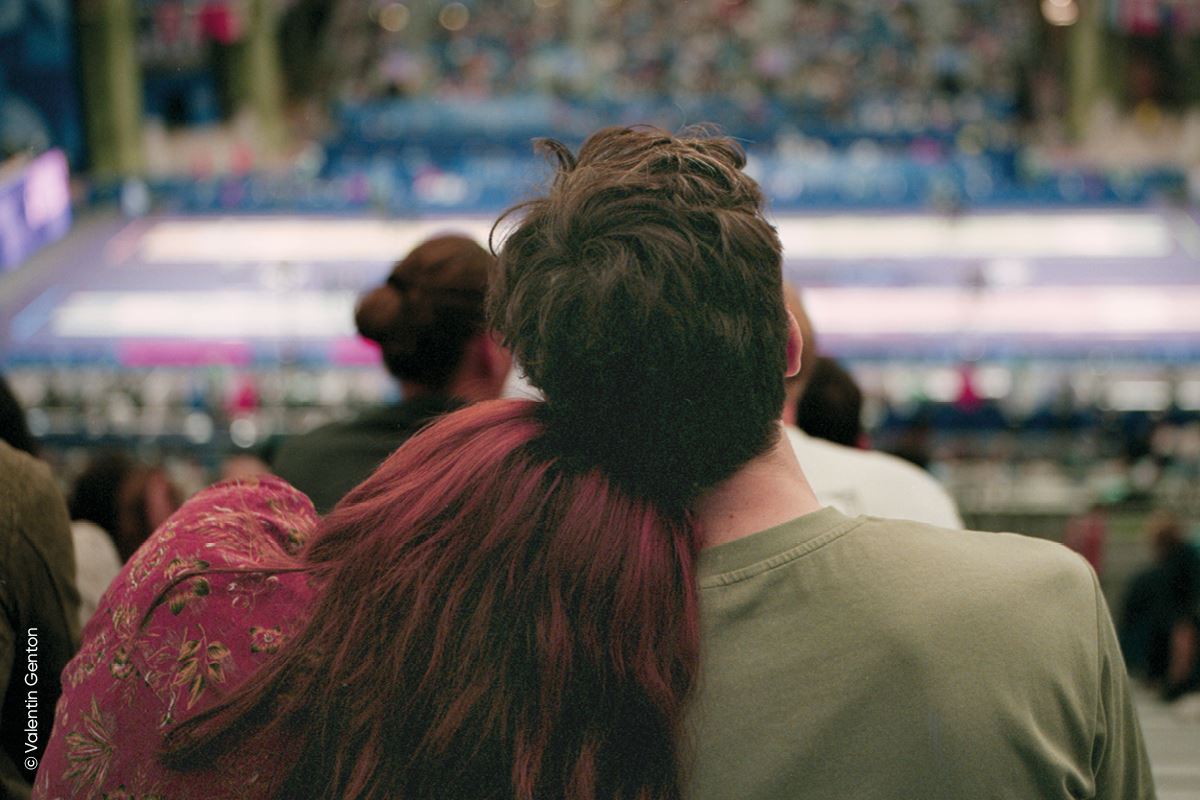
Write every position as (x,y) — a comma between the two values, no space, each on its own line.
(39,624)
(1160,621)
(428,319)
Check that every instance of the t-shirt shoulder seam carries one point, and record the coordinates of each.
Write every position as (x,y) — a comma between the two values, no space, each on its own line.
(801,550)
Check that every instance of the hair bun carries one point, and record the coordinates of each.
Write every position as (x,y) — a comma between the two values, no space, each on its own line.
(378,314)
(428,308)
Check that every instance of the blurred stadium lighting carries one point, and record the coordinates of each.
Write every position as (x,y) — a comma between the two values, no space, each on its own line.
(454,16)
(994,382)
(1148,395)
(394,17)
(1187,395)
(1060,12)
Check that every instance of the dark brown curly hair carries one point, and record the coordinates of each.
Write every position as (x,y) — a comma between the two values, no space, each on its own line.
(643,296)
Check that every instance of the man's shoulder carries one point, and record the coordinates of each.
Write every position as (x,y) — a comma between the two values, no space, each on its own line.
(990,561)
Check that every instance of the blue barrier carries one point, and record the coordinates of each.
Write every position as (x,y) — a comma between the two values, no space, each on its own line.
(407,157)
(416,183)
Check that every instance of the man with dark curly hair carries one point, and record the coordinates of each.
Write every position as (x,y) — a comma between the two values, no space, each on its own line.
(840,657)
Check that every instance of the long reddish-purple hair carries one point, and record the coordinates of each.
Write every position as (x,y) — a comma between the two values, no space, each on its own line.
(493,622)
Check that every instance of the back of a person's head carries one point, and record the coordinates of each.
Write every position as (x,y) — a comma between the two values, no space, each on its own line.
(428,309)
(125,497)
(831,405)
(508,605)
(95,496)
(642,295)
(1165,532)
(14,429)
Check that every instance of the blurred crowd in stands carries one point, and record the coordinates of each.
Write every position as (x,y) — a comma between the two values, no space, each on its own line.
(828,59)
(1056,454)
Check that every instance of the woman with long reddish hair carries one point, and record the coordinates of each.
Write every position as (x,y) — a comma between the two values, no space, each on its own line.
(495,622)
(489,650)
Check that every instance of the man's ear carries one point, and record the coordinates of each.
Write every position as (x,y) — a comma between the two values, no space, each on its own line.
(496,357)
(795,346)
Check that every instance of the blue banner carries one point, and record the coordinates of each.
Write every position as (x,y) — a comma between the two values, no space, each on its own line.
(35,208)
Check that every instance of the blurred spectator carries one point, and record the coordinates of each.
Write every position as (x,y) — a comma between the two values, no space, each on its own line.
(39,618)
(912,444)
(428,320)
(115,505)
(1087,534)
(1160,623)
(124,497)
(831,406)
(13,428)
(856,481)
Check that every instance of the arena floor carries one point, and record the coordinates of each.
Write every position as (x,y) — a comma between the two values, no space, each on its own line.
(1173,739)
(185,290)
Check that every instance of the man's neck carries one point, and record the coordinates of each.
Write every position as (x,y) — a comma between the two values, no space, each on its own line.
(767,491)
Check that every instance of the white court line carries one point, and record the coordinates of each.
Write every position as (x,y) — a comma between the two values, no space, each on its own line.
(206,315)
(846,237)
(1103,311)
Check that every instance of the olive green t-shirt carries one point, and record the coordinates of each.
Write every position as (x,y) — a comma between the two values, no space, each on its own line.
(870,658)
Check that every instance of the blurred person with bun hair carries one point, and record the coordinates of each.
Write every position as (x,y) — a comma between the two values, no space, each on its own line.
(625,591)
(427,319)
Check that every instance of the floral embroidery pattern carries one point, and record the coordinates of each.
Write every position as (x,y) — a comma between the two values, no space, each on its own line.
(124,618)
(89,750)
(199,665)
(265,640)
(121,793)
(177,566)
(120,666)
(200,607)
(186,592)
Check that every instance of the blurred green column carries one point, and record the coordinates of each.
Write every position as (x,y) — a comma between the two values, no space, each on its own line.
(422,20)
(112,86)
(1085,77)
(772,18)
(581,22)
(258,75)
(938,19)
